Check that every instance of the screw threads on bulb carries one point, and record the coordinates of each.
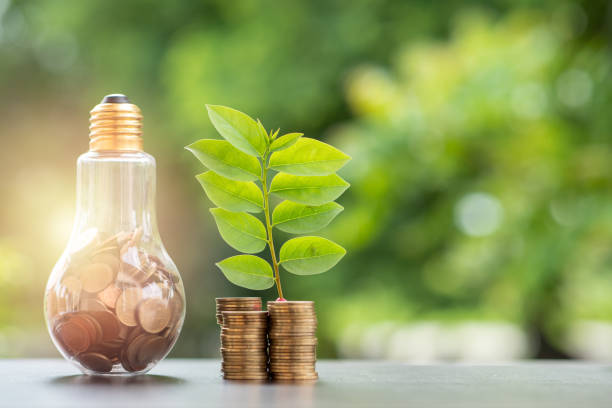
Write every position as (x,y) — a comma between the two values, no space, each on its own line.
(115,124)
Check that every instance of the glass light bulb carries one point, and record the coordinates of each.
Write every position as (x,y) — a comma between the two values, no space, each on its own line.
(115,303)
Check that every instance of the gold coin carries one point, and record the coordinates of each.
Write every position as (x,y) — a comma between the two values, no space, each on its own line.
(246,313)
(294,378)
(249,378)
(290,336)
(132,353)
(254,315)
(292,349)
(292,356)
(152,349)
(227,365)
(243,347)
(294,341)
(71,286)
(293,329)
(91,304)
(153,315)
(292,365)
(107,257)
(109,296)
(96,362)
(96,276)
(241,323)
(109,323)
(237,299)
(126,305)
(292,370)
(242,339)
(246,331)
(247,361)
(91,325)
(73,336)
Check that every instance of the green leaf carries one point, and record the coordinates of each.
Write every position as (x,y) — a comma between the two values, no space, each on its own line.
(262,131)
(309,190)
(248,271)
(273,135)
(310,255)
(241,231)
(309,157)
(300,219)
(238,128)
(230,194)
(226,160)
(284,141)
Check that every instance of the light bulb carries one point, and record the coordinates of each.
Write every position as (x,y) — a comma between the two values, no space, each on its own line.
(115,303)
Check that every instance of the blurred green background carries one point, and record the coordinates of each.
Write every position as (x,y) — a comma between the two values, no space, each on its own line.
(479,221)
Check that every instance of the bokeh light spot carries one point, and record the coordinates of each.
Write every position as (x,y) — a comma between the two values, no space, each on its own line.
(478,214)
(574,88)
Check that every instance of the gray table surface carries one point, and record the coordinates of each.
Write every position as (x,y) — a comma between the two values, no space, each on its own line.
(197,383)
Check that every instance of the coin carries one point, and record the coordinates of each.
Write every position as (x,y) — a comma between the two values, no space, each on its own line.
(90,304)
(153,315)
(96,276)
(152,349)
(126,305)
(109,296)
(71,286)
(96,362)
(293,341)
(245,377)
(107,256)
(239,332)
(74,337)
(293,377)
(91,325)
(132,353)
(109,323)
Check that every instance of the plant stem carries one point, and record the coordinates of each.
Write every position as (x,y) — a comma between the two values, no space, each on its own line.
(264,183)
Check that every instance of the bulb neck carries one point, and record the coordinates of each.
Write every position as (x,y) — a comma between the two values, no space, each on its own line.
(115,125)
(116,192)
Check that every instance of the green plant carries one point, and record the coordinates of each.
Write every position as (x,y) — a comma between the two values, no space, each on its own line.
(305,180)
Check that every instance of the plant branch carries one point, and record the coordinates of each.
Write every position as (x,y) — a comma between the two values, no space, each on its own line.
(264,183)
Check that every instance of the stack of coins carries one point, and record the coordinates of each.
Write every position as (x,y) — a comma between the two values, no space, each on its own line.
(236,304)
(115,307)
(293,341)
(244,345)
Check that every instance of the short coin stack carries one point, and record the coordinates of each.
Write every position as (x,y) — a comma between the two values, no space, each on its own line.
(293,341)
(236,304)
(244,344)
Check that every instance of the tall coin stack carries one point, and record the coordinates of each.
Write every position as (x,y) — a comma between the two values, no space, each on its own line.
(236,304)
(293,341)
(244,345)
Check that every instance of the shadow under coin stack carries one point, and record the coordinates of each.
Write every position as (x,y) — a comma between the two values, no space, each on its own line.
(244,344)
(293,341)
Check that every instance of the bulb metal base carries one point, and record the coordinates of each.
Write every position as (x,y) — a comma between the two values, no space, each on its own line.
(115,124)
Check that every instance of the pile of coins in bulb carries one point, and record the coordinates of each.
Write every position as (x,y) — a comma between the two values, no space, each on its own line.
(116,306)
(292,330)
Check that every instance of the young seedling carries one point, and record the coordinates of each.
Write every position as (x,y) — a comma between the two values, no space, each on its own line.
(238,183)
